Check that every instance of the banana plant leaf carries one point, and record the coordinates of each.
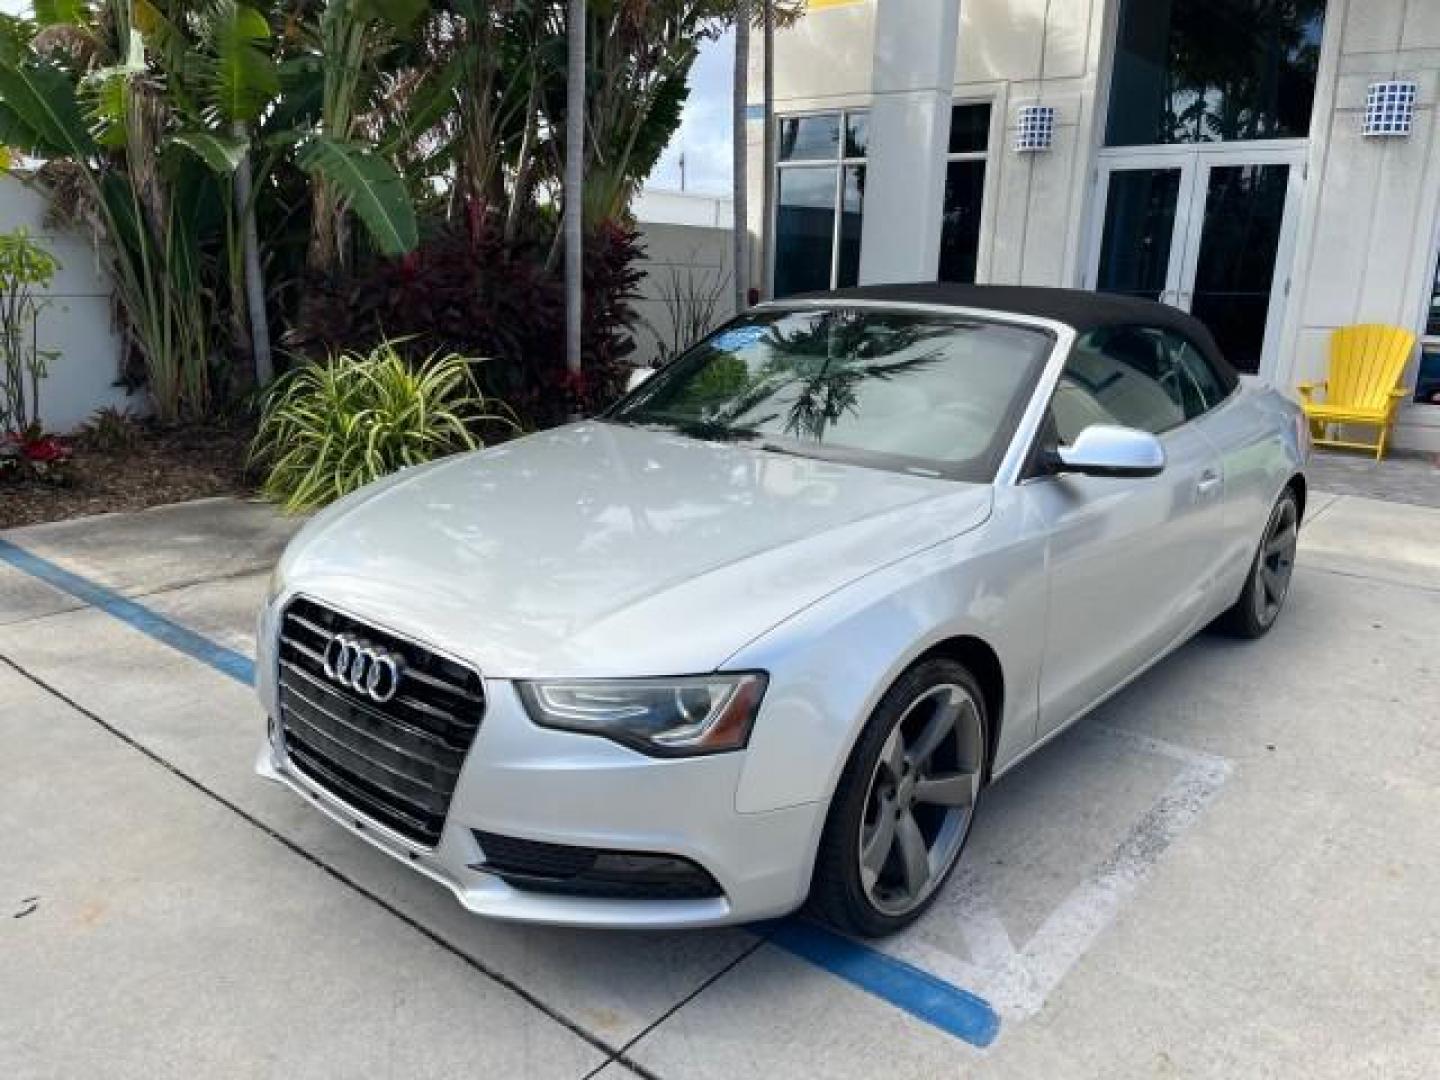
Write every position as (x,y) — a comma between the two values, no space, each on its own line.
(43,99)
(371,185)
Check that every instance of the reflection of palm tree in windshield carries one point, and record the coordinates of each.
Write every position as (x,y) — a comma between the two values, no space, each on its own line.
(825,363)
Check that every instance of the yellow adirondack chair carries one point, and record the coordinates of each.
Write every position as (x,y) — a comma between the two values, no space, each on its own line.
(1366,363)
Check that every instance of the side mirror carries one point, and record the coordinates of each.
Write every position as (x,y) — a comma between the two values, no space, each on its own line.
(637,376)
(1108,450)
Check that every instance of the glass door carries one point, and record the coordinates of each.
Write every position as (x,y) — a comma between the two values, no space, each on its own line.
(1210,231)
(1141,246)
(1237,261)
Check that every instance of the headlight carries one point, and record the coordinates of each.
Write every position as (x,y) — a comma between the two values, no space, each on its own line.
(703,714)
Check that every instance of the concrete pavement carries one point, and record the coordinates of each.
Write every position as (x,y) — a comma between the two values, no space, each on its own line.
(1228,870)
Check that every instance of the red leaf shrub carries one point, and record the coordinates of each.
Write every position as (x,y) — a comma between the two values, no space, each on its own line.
(32,453)
(466,290)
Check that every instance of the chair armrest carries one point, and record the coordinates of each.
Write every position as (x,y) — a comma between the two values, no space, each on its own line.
(1401,392)
(1308,388)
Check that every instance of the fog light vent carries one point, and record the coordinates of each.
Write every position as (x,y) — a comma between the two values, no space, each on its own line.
(582,871)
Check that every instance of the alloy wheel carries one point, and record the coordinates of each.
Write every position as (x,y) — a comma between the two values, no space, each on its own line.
(1276,562)
(921,799)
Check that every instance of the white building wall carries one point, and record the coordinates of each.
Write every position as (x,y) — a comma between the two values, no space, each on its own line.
(1368,244)
(78,323)
(1370,218)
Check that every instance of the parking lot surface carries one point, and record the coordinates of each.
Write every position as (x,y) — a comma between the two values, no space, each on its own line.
(1231,869)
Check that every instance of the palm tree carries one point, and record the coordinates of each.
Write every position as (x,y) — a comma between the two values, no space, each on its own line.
(574,182)
(769,167)
(739,94)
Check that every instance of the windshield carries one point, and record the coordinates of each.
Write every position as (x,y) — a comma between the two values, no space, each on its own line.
(931,393)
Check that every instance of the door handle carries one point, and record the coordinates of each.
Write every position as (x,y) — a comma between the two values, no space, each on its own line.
(1208,482)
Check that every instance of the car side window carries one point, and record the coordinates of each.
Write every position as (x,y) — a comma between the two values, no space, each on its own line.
(1201,386)
(1118,375)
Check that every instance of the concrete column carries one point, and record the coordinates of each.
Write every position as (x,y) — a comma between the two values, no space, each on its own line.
(912,81)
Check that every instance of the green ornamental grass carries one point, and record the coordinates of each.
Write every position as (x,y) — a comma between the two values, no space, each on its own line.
(329,428)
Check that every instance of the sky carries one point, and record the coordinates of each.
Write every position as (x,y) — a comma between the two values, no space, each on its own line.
(704,134)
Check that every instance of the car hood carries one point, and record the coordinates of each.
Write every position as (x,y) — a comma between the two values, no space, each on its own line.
(600,549)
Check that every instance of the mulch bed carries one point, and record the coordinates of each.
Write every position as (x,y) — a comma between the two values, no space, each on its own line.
(165,465)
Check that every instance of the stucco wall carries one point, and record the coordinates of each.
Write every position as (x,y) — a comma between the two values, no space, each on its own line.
(1009,54)
(675,255)
(77,323)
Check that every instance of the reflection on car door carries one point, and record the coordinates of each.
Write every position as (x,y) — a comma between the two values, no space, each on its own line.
(1126,557)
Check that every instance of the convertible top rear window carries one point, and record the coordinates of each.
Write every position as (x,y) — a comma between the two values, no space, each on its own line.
(925,392)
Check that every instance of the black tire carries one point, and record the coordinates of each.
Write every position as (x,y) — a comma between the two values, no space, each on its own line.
(1267,583)
(838,895)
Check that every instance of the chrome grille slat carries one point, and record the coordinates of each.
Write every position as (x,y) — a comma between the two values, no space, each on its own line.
(396,762)
(439,684)
(365,708)
(316,770)
(355,723)
(393,784)
(403,765)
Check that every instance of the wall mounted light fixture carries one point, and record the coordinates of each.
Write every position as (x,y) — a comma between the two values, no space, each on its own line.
(1034,128)
(1390,108)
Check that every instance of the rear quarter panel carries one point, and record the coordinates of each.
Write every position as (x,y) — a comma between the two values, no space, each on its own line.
(1259,436)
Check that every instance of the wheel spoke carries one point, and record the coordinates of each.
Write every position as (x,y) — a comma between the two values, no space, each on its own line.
(1274,584)
(892,754)
(951,789)
(914,856)
(970,749)
(879,841)
(1282,541)
(939,726)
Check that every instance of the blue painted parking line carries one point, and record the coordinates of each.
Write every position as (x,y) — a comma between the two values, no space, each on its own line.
(950,1008)
(226,661)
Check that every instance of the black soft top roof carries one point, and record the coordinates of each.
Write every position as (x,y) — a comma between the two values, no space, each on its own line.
(1078,308)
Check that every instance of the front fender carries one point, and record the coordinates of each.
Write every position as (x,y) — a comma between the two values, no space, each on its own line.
(830,664)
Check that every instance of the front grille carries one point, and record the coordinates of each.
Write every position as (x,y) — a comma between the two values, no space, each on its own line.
(396,762)
(597,872)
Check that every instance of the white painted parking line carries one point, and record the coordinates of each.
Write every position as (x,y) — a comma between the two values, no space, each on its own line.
(1016,979)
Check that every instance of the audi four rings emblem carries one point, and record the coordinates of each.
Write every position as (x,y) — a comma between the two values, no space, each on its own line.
(365,668)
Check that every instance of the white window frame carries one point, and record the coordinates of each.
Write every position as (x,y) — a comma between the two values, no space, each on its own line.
(1428,340)
(839,163)
(973,155)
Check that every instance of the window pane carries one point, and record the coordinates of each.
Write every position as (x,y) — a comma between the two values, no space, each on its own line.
(809,138)
(804,230)
(969,129)
(857,134)
(853,214)
(1432,325)
(1427,381)
(1244,209)
(898,389)
(1139,229)
(1214,70)
(1201,388)
(1117,375)
(960,227)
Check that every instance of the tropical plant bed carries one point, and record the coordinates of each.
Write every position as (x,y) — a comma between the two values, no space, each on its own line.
(159,465)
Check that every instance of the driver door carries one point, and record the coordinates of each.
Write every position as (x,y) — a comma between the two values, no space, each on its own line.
(1125,556)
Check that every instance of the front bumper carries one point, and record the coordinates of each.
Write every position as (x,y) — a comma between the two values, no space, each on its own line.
(531,783)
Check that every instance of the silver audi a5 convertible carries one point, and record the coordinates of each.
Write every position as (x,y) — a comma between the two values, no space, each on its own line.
(765,631)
